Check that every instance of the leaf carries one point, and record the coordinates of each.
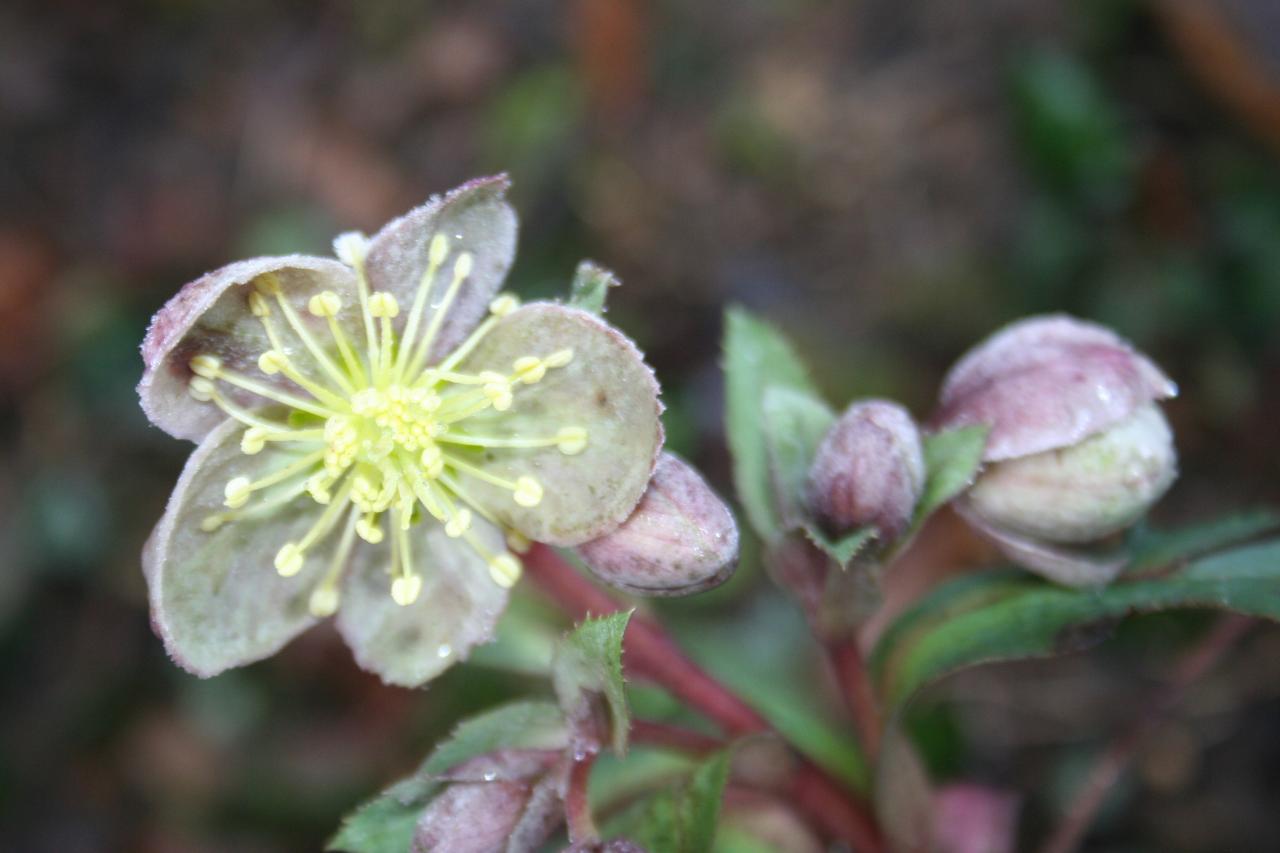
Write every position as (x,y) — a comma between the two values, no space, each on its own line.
(681,819)
(793,425)
(589,662)
(1004,615)
(952,459)
(756,358)
(1154,548)
(843,549)
(520,725)
(387,822)
(590,287)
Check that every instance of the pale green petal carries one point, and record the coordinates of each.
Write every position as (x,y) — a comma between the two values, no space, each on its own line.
(216,599)
(606,389)
(458,607)
(211,316)
(478,220)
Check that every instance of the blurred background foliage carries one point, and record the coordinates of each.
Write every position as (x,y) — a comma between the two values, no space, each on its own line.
(886,181)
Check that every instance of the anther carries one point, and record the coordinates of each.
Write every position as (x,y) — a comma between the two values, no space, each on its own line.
(517,541)
(458,523)
(211,523)
(324,304)
(201,389)
(432,460)
(289,560)
(383,304)
(272,362)
(237,491)
(529,369)
(351,248)
(405,589)
(324,601)
(528,492)
(497,389)
(369,530)
(462,266)
(318,487)
(258,305)
(438,250)
(571,440)
(267,284)
(206,366)
(504,304)
(253,440)
(505,570)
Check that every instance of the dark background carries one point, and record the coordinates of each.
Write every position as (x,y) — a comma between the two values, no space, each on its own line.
(887,181)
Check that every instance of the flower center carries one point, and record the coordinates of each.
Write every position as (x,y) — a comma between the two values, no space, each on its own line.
(375,433)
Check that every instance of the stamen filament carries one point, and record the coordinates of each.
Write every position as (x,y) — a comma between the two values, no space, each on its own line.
(461,270)
(436,254)
(325,597)
(321,357)
(284,398)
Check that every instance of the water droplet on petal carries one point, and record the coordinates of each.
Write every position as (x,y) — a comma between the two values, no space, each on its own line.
(444,651)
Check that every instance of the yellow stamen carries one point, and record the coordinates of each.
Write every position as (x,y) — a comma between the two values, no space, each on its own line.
(461,270)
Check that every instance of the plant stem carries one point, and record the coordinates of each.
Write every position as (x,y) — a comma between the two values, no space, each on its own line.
(855,685)
(1109,766)
(674,737)
(651,653)
(577,808)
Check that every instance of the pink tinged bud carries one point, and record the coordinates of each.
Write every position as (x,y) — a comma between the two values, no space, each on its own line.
(1048,382)
(1084,492)
(869,470)
(680,539)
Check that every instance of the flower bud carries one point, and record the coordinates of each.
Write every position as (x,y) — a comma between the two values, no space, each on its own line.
(680,539)
(1077,449)
(869,470)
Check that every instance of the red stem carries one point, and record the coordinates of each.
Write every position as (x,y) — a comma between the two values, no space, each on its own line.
(577,808)
(1107,770)
(674,737)
(855,685)
(652,654)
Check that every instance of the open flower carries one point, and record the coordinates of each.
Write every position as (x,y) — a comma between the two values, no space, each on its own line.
(379,436)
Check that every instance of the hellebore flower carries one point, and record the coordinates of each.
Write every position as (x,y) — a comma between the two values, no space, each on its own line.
(1078,448)
(869,470)
(376,436)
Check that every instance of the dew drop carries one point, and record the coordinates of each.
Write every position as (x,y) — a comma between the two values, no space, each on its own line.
(490,776)
(444,651)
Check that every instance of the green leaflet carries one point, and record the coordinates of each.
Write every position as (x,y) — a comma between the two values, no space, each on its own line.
(1005,614)
(756,358)
(681,819)
(386,823)
(589,661)
(590,287)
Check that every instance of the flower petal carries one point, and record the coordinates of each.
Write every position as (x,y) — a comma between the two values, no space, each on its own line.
(216,599)
(680,540)
(211,315)
(606,389)
(1065,566)
(477,219)
(458,606)
(1047,382)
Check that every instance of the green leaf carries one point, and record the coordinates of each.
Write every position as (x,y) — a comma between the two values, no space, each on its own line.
(1154,548)
(756,358)
(590,287)
(843,549)
(1004,615)
(520,725)
(589,662)
(386,823)
(952,459)
(681,819)
(793,425)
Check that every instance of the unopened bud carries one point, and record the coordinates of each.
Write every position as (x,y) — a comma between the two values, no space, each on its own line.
(680,539)
(869,470)
(1078,448)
